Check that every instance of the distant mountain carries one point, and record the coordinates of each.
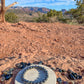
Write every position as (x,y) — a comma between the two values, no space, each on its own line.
(31,9)
(64,10)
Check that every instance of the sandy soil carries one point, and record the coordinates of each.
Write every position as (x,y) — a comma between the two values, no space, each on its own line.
(56,44)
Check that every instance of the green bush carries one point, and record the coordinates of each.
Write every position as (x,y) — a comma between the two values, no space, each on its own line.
(64,20)
(51,16)
(53,13)
(43,18)
(80,19)
(11,17)
(78,13)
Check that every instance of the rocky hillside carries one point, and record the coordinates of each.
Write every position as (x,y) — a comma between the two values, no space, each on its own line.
(56,44)
(31,9)
(28,14)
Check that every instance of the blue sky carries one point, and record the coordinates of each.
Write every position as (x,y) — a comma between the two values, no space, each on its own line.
(52,4)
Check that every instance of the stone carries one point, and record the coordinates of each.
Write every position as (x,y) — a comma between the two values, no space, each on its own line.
(59,80)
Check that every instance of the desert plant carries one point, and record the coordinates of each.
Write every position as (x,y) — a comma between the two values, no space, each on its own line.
(11,17)
(78,13)
(4,9)
(42,18)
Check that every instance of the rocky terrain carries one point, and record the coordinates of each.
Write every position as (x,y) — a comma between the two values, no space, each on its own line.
(30,9)
(56,44)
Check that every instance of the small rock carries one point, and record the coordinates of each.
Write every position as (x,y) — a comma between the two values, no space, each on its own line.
(63,73)
(82,71)
(69,71)
(64,57)
(59,80)
(79,77)
(19,23)
(40,62)
(53,43)
(71,82)
(29,64)
(60,70)
(65,82)
(71,77)
(20,54)
(53,69)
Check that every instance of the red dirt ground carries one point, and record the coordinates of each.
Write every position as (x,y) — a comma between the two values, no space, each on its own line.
(56,44)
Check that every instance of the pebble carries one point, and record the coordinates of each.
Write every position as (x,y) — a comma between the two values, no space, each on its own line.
(60,70)
(63,73)
(71,77)
(64,82)
(69,71)
(59,80)
(29,64)
(53,69)
(79,77)
(71,82)
(40,62)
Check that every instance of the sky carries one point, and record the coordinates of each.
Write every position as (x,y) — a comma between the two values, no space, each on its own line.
(51,4)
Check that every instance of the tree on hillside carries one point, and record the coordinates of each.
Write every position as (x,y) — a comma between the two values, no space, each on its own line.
(78,13)
(4,9)
(53,13)
(50,13)
(11,17)
(43,18)
(80,4)
(51,16)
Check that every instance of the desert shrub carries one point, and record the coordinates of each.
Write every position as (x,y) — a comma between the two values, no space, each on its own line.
(64,20)
(51,16)
(80,19)
(53,13)
(11,17)
(78,13)
(42,18)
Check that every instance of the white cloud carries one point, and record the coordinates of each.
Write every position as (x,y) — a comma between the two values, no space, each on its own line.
(41,2)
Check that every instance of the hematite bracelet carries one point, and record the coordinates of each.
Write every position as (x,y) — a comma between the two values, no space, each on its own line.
(35,82)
